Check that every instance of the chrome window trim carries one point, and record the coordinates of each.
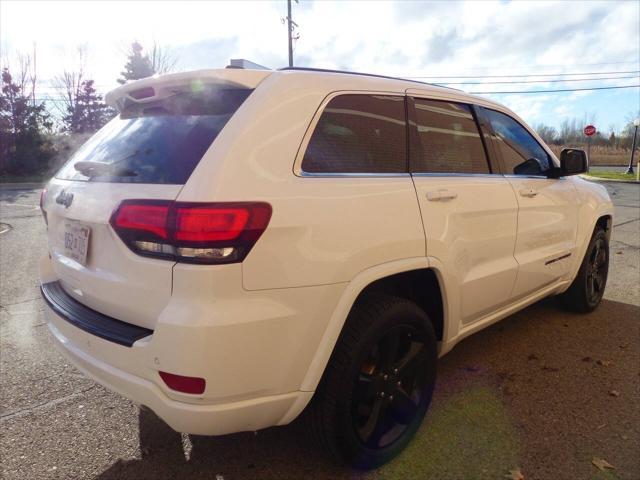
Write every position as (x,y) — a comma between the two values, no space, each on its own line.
(302,173)
(297,166)
(492,175)
(539,177)
(441,174)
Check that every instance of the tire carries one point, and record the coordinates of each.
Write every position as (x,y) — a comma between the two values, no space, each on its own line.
(585,293)
(354,390)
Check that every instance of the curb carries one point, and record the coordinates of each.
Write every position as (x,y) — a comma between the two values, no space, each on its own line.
(608,180)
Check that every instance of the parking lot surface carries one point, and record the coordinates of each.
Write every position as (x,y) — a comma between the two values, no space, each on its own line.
(543,391)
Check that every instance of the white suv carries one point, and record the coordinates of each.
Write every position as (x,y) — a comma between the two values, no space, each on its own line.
(238,246)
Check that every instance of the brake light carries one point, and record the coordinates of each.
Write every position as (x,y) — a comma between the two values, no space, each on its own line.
(207,224)
(148,218)
(183,384)
(208,233)
(143,93)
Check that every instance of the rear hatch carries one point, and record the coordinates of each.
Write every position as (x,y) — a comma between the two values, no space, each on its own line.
(147,152)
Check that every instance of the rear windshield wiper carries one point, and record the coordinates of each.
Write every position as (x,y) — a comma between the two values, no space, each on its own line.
(101,169)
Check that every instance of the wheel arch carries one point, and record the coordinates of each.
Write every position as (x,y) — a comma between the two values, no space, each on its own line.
(600,217)
(389,277)
(606,223)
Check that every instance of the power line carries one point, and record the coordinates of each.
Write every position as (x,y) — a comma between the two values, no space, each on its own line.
(58,99)
(562,90)
(532,75)
(50,99)
(559,65)
(589,64)
(538,81)
(110,87)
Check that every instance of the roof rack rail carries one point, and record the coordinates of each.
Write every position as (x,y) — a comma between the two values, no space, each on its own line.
(245,64)
(346,72)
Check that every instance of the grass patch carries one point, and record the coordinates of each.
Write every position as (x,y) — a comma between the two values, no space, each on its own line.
(613,175)
(469,436)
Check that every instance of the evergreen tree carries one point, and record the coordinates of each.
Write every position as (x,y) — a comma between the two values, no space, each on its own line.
(88,112)
(24,147)
(137,66)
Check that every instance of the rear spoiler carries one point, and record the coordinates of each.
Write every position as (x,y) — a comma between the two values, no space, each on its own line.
(158,87)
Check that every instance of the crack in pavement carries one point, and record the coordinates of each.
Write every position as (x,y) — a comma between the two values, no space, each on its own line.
(10,204)
(5,305)
(14,217)
(43,406)
(632,247)
(624,223)
(34,380)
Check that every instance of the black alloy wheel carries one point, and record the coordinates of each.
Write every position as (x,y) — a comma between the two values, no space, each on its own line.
(587,289)
(378,384)
(389,387)
(597,270)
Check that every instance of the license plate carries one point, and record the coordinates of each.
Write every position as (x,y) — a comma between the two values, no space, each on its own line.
(76,241)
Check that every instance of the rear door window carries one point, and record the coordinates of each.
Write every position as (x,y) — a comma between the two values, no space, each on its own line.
(157,142)
(359,134)
(448,139)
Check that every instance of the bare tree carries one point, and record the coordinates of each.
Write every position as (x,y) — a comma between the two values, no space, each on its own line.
(24,73)
(69,82)
(33,78)
(142,62)
(162,58)
(548,134)
(22,77)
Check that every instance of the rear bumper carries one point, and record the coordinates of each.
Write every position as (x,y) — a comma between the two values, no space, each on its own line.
(252,348)
(201,419)
(89,320)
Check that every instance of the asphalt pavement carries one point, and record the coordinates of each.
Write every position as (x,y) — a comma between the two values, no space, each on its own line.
(544,392)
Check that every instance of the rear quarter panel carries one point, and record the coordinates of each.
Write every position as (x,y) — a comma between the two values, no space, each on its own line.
(323,230)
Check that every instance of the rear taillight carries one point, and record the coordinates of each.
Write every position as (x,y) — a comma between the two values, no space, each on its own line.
(208,233)
(42,197)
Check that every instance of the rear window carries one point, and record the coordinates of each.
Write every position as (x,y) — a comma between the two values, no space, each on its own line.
(155,142)
(359,134)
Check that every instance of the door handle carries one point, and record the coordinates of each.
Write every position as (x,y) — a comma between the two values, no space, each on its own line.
(528,192)
(442,194)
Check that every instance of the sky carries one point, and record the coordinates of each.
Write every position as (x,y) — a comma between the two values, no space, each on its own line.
(518,40)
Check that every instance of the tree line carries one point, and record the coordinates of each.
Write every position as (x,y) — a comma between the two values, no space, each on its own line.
(571,132)
(36,134)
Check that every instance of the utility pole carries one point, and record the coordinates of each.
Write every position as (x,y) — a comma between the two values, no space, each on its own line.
(290,32)
(636,124)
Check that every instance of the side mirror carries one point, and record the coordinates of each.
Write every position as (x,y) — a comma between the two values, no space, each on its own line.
(573,162)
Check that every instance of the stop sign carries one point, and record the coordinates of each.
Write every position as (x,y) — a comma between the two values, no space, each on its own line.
(589,130)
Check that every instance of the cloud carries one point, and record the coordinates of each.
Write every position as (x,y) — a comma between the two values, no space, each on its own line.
(407,38)
(442,46)
(211,53)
